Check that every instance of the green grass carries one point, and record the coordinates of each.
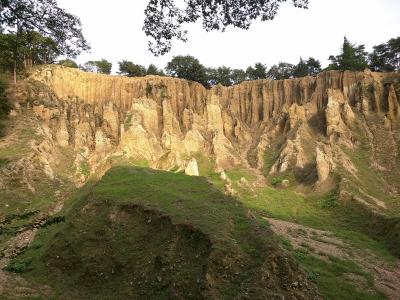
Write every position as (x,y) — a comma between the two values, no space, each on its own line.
(316,211)
(21,147)
(91,242)
(85,168)
(237,173)
(330,276)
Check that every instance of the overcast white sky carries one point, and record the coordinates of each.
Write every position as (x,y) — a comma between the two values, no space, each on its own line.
(114,30)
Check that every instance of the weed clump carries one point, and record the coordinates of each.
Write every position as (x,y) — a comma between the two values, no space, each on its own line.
(19,266)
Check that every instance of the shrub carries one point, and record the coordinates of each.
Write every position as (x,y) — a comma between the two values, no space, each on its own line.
(149,89)
(19,266)
(330,201)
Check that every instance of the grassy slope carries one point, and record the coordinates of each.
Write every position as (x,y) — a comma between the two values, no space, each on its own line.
(239,242)
(345,222)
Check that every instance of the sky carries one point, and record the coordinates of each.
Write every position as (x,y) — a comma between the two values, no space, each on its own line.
(114,31)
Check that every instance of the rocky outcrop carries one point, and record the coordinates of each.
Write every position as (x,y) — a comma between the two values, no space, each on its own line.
(192,168)
(167,121)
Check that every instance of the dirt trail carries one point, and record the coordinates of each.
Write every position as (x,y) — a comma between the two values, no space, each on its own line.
(324,243)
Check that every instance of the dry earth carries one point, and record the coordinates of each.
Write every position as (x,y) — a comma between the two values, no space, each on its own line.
(325,243)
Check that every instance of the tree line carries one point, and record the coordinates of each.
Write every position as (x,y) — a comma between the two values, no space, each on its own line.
(39,32)
(34,32)
(384,58)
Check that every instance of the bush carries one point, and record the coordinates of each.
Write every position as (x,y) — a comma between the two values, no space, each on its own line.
(5,106)
(330,201)
(85,168)
(54,220)
(277,180)
(149,89)
(19,266)
(312,276)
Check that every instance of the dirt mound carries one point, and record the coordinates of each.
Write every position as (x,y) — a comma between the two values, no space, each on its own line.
(130,252)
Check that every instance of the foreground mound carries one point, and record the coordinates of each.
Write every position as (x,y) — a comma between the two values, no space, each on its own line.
(141,234)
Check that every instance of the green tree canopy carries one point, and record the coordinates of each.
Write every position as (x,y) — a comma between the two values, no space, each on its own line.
(68,63)
(221,75)
(7,42)
(238,76)
(33,49)
(259,71)
(22,17)
(282,70)
(352,57)
(164,18)
(189,68)
(98,66)
(153,70)
(386,57)
(311,67)
(314,66)
(103,66)
(128,68)
(301,69)
(5,106)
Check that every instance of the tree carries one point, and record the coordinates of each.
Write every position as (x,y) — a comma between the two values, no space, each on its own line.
(7,43)
(33,47)
(164,19)
(281,71)
(221,75)
(379,60)
(301,69)
(385,57)
(20,17)
(128,68)
(68,63)
(153,70)
(259,71)
(189,68)
(5,106)
(103,66)
(238,76)
(352,57)
(314,66)
(311,67)
(394,53)
(37,49)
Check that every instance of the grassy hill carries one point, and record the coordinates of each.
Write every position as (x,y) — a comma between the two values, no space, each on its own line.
(141,233)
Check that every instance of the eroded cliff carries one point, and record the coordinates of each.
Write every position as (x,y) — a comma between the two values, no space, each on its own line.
(325,130)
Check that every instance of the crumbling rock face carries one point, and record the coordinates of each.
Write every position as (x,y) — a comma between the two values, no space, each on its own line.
(166,121)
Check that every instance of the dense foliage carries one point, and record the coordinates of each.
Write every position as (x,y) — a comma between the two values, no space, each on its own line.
(130,69)
(39,31)
(98,66)
(164,18)
(68,63)
(352,57)
(189,68)
(4,104)
(386,56)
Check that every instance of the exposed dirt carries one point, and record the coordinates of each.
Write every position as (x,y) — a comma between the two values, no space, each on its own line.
(13,286)
(324,243)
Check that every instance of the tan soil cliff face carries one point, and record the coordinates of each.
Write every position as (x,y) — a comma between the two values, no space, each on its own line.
(168,121)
